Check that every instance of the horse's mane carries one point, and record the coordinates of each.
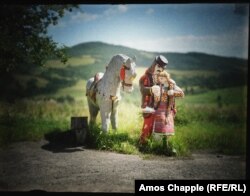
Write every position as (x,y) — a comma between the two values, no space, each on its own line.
(116,61)
(111,80)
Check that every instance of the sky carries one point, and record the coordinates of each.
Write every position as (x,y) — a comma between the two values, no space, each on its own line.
(220,29)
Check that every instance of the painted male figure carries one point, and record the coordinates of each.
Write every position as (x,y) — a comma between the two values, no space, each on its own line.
(148,88)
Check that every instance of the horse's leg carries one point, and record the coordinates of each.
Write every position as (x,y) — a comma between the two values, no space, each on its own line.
(105,116)
(93,111)
(114,115)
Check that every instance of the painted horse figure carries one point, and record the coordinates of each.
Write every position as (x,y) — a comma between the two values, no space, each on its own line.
(103,90)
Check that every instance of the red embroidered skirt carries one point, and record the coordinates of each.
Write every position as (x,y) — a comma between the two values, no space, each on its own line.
(160,126)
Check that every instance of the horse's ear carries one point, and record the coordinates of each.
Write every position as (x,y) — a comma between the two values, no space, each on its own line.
(128,62)
(134,58)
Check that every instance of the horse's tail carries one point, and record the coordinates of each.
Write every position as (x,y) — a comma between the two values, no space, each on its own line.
(91,86)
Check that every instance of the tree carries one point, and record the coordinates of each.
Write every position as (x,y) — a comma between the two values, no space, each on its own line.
(23,35)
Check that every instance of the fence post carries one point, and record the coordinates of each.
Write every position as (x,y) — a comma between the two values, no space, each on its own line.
(79,125)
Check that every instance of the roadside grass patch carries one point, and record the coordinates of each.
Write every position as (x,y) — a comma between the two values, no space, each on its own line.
(198,124)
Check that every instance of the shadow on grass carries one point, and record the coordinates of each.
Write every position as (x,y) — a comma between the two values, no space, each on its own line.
(97,139)
(157,149)
(65,142)
(122,142)
(62,142)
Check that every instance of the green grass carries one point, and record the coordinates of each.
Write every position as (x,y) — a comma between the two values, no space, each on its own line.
(27,129)
(221,137)
(73,61)
(193,73)
(202,122)
(119,141)
(229,96)
(199,124)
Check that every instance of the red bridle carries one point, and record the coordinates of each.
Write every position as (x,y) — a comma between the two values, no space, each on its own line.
(122,76)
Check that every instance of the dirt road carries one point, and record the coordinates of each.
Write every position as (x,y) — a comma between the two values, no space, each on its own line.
(27,166)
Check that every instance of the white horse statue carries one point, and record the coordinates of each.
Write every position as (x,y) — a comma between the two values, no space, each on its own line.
(103,90)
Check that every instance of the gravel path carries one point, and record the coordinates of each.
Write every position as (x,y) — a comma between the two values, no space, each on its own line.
(27,166)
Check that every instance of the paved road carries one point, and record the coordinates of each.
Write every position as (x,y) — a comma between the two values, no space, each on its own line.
(27,166)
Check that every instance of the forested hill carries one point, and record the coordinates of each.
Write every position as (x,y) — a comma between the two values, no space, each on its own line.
(181,61)
(196,70)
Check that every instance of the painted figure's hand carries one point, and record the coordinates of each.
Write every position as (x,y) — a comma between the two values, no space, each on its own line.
(170,92)
(156,90)
(167,121)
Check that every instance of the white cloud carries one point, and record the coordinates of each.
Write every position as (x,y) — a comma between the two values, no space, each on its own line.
(123,8)
(150,11)
(229,44)
(81,16)
(116,9)
(84,17)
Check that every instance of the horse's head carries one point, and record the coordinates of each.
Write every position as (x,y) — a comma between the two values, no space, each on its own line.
(128,74)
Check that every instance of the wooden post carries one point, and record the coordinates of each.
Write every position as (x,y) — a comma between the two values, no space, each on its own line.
(80,126)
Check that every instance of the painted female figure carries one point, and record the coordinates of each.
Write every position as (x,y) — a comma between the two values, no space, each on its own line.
(164,105)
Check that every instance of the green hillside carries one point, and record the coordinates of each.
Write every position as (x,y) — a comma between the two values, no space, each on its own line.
(104,52)
(212,115)
(196,72)
(183,61)
(224,68)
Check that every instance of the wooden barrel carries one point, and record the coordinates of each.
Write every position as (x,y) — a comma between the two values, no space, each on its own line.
(80,126)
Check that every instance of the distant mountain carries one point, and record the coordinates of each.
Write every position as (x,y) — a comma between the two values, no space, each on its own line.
(182,61)
(39,81)
(105,51)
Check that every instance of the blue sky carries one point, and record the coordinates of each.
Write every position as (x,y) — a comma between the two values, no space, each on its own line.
(209,28)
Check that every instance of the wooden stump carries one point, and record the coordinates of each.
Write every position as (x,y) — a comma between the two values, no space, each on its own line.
(80,126)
